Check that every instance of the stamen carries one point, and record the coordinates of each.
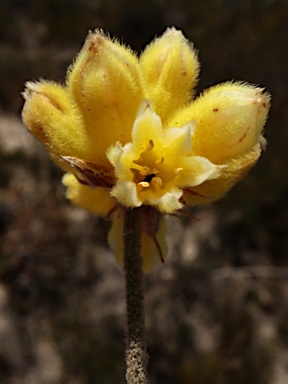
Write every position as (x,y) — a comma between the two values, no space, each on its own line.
(151,145)
(159,161)
(141,185)
(144,184)
(143,170)
(157,183)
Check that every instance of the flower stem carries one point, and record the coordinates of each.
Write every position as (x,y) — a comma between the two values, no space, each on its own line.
(136,354)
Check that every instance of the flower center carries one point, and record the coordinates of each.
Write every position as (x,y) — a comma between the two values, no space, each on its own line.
(149,171)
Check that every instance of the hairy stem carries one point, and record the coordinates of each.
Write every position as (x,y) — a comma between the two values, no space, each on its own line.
(136,355)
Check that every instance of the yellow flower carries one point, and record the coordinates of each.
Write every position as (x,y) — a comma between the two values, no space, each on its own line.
(129,134)
(153,169)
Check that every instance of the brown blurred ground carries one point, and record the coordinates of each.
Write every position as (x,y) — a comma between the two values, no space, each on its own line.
(217,311)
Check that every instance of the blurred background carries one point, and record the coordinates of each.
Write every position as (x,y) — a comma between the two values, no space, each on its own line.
(217,310)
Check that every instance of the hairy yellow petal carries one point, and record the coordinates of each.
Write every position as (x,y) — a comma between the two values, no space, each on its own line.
(170,69)
(229,119)
(126,194)
(147,126)
(104,85)
(48,114)
(96,200)
(195,170)
(153,241)
(169,202)
(215,189)
(179,141)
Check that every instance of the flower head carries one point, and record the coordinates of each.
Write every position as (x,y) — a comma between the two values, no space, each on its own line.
(129,133)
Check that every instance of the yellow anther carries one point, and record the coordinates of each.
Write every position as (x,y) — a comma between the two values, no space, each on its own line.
(145,171)
(177,170)
(144,184)
(141,185)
